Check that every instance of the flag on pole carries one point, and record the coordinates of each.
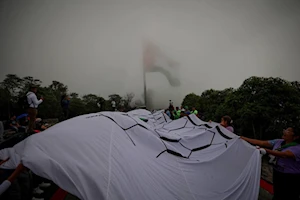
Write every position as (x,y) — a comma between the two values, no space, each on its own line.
(156,61)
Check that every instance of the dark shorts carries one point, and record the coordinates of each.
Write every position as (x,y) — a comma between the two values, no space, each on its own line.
(286,186)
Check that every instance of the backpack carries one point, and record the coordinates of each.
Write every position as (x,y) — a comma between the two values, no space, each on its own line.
(23,102)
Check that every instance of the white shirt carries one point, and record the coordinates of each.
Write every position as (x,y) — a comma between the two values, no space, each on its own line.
(32,100)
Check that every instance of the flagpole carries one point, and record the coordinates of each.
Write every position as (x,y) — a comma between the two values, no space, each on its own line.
(145,86)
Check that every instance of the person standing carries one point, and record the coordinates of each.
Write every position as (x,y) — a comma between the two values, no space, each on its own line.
(113,105)
(194,111)
(65,102)
(226,122)
(187,111)
(33,104)
(285,157)
(178,112)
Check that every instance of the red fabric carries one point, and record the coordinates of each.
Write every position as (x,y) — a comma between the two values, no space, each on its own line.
(60,194)
(266,186)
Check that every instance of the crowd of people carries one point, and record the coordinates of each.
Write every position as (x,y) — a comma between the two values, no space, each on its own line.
(28,121)
(176,113)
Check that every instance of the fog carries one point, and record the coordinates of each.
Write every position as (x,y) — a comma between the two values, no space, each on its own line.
(96,46)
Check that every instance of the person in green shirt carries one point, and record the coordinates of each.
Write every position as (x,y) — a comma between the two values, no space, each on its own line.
(194,111)
(178,111)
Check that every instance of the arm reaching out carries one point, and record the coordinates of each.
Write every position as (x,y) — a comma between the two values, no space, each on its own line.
(260,143)
(285,154)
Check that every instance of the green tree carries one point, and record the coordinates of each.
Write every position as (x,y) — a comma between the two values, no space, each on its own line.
(91,103)
(191,100)
(114,97)
(50,108)
(11,87)
(77,107)
(262,107)
(58,89)
(209,102)
(127,100)
(74,95)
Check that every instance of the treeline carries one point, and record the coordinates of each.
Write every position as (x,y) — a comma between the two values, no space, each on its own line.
(13,89)
(260,107)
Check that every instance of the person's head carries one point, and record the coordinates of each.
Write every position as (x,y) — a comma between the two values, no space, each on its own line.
(63,97)
(13,117)
(177,108)
(194,108)
(290,135)
(186,108)
(226,121)
(182,114)
(33,88)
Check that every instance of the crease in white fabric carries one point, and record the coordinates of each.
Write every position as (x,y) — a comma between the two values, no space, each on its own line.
(185,179)
(109,161)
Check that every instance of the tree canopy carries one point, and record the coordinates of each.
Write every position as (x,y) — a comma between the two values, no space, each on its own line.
(260,107)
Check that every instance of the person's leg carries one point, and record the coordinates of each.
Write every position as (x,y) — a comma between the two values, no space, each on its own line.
(292,182)
(278,185)
(14,191)
(14,128)
(31,120)
(67,115)
(22,128)
(34,115)
(25,184)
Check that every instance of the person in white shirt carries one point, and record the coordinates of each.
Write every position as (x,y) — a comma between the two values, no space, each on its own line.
(33,104)
(113,105)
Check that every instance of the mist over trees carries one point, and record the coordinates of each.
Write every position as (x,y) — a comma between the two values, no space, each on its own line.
(260,108)
(13,89)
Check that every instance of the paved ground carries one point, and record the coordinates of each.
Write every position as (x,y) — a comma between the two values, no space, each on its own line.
(266,174)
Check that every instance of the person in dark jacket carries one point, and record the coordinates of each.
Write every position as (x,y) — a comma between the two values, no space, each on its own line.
(65,102)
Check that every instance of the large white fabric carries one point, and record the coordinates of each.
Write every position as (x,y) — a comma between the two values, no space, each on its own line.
(111,155)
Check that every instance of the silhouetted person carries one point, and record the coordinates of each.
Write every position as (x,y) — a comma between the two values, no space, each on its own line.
(65,102)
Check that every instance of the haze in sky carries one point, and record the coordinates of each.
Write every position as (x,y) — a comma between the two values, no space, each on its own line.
(96,46)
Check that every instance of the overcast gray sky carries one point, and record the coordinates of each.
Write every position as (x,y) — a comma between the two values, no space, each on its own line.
(96,46)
